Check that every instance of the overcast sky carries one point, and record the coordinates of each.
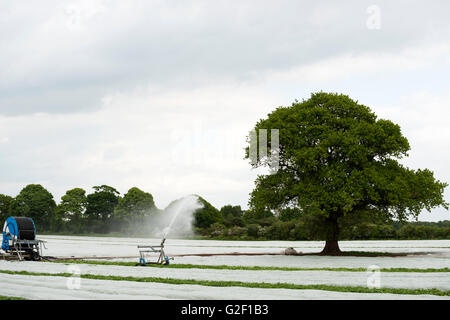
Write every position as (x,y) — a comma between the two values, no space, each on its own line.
(162,94)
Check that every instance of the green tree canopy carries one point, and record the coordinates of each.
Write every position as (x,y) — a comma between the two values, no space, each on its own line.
(232,215)
(36,202)
(134,206)
(101,203)
(288,214)
(207,215)
(338,158)
(73,203)
(5,206)
(135,203)
(72,209)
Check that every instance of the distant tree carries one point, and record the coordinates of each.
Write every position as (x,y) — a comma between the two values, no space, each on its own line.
(281,230)
(288,214)
(236,232)
(255,215)
(133,207)
(73,207)
(252,230)
(36,202)
(385,232)
(216,230)
(408,231)
(100,207)
(232,215)
(207,215)
(337,157)
(364,224)
(5,206)
(445,223)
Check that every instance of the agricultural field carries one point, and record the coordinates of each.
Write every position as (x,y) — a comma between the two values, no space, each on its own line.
(109,271)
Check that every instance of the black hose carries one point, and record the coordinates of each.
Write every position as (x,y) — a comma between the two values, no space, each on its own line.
(48,258)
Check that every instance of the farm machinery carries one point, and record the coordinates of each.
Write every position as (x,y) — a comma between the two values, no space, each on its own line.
(19,239)
(146,250)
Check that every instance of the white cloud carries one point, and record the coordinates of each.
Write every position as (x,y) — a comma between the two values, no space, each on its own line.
(63,56)
(350,65)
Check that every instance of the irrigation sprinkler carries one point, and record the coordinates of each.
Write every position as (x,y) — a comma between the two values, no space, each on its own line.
(144,254)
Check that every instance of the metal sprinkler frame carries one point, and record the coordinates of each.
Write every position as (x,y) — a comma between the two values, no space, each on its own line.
(148,249)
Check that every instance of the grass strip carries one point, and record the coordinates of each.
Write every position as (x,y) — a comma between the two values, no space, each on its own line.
(250,268)
(259,285)
(11,298)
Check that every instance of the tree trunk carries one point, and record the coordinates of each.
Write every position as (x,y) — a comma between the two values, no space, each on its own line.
(331,248)
(331,244)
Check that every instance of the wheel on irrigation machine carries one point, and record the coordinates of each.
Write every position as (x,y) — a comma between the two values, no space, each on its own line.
(31,255)
(35,256)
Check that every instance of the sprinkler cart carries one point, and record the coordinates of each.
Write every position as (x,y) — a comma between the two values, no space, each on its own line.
(148,249)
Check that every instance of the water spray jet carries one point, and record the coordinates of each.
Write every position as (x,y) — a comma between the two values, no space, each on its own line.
(185,205)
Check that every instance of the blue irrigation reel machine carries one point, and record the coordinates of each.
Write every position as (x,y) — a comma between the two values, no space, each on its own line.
(19,239)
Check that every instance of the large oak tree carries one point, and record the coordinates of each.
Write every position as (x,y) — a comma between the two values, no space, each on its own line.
(337,159)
